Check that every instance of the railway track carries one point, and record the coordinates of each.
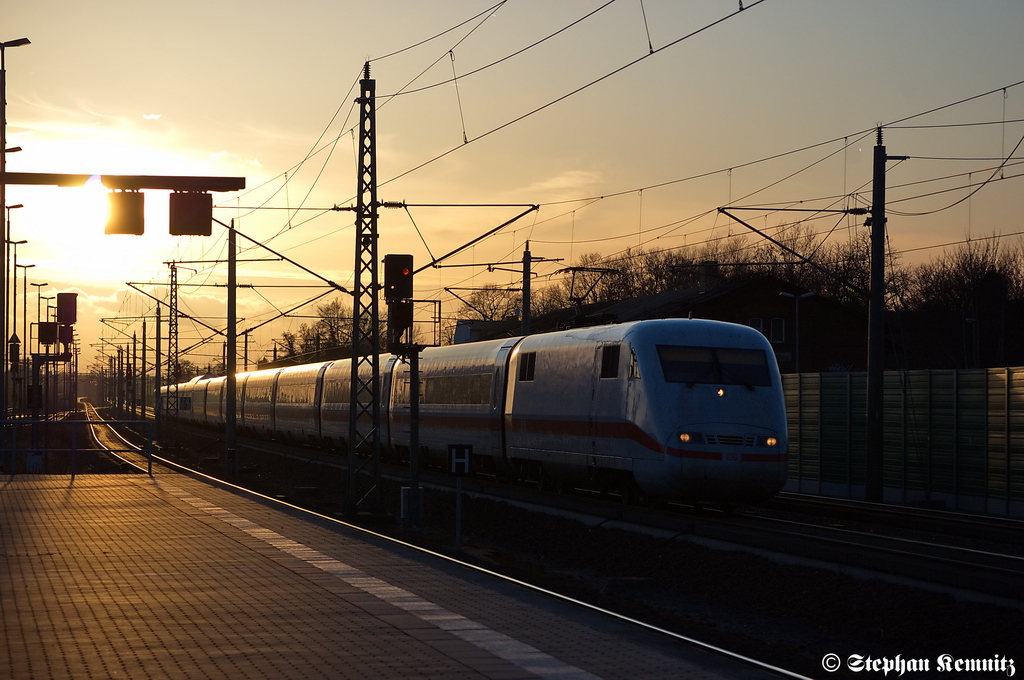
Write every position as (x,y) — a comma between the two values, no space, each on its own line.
(115,445)
(1006,531)
(962,553)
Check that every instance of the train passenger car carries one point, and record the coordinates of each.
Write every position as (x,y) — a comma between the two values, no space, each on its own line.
(335,400)
(257,397)
(296,402)
(461,400)
(213,409)
(191,397)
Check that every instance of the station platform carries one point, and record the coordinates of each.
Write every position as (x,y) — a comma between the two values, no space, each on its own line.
(131,576)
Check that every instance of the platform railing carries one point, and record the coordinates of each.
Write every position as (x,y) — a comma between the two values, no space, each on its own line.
(21,444)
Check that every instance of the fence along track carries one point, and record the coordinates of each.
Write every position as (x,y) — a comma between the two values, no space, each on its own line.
(954,439)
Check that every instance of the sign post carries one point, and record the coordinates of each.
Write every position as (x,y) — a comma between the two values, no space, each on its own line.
(458,457)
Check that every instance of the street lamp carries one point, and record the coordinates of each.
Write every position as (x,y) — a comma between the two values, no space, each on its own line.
(3,286)
(18,42)
(796,332)
(14,286)
(39,298)
(24,308)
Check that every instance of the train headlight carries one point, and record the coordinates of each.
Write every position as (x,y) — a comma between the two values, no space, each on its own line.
(691,438)
(768,441)
(721,392)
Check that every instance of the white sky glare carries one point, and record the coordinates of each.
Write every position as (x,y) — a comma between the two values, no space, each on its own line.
(249,89)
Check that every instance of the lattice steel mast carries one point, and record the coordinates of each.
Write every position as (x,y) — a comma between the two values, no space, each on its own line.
(364,413)
(173,369)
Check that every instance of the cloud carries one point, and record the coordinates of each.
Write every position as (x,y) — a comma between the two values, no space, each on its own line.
(151,116)
(579,181)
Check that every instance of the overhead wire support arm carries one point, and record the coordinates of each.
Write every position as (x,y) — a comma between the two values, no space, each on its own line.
(824,270)
(285,313)
(287,259)
(168,305)
(845,211)
(495,230)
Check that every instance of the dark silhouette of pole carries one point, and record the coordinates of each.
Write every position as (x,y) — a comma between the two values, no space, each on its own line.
(415,518)
(873,461)
(364,402)
(230,452)
(527,275)
(3,204)
(157,399)
(143,386)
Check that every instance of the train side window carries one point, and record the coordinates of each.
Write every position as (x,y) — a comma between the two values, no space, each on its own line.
(527,365)
(610,361)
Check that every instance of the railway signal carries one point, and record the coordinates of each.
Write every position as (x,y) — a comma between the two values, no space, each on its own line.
(397,277)
(400,314)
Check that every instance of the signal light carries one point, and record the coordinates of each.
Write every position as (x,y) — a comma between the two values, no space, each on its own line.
(47,332)
(67,308)
(397,277)
(126,213)
(191,213)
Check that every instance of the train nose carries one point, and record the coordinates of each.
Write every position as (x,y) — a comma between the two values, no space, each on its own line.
(723,461)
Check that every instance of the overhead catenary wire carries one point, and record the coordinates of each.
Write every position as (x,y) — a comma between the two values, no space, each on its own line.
(631,190)
(405,91)
(565,96)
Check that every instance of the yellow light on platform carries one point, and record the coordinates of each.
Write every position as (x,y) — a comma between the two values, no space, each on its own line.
(126,213)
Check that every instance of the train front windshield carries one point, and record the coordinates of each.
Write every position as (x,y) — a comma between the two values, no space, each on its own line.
(714,365)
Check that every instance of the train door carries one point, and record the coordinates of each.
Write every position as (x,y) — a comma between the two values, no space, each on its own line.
(387,386)
(501,402)
(607,400)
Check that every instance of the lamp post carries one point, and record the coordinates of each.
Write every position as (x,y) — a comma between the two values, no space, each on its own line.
(796,332)
(40,318)
(7,311)
(25,362)
(39,296)
(41,374)
(14,343)
(6,259)
(18,42)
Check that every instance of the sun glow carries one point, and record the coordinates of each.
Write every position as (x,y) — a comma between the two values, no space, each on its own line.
(67,241)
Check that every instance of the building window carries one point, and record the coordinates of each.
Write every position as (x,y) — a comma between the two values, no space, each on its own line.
(778,330)
(757,324)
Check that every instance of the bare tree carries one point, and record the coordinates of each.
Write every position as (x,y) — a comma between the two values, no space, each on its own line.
(491,303)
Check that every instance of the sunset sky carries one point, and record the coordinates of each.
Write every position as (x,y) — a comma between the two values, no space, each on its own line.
(771,106)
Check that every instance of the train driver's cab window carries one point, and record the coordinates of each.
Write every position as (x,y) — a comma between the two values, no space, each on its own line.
(527,365)
(714,365)
(610,361)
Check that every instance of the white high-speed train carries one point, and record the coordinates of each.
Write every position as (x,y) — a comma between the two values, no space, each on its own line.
(676,408)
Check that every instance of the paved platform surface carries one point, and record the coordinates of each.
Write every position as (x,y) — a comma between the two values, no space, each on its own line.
(130,576)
